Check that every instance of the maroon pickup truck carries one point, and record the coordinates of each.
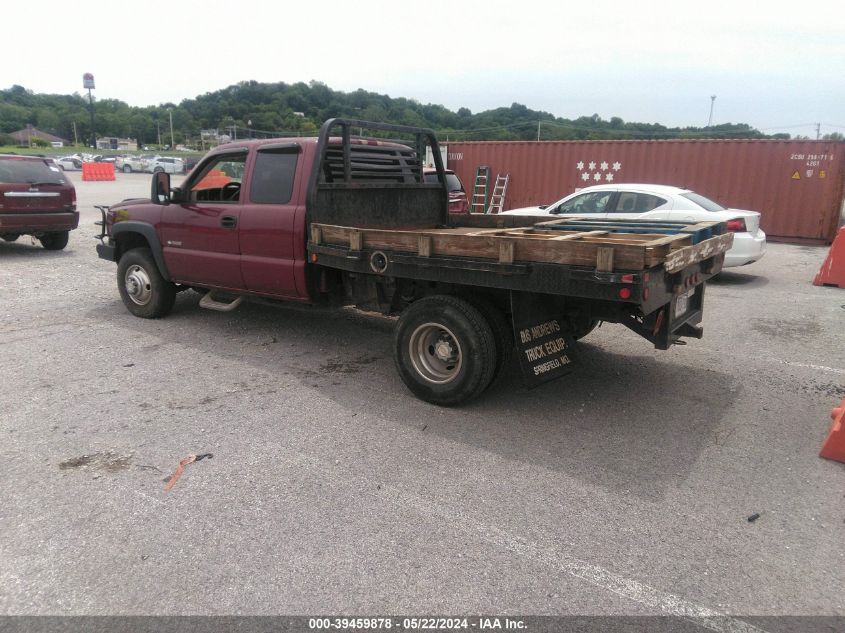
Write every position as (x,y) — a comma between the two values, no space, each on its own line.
(344,220)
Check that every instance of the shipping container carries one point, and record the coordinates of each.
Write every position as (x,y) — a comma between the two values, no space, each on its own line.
(797,186)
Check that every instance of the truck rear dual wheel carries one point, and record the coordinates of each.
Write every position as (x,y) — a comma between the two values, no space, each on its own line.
(502,332)
(144,292)
(445,350)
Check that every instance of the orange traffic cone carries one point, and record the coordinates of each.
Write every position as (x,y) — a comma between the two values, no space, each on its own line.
(832,272)
(834,445)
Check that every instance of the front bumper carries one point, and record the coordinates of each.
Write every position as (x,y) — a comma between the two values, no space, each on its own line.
(105,250)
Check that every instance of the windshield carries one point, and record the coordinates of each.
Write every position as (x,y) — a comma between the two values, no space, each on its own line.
(453,183)
(31,171)
(705,203)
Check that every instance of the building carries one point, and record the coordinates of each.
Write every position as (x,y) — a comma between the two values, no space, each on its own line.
(113,142)
(27,135)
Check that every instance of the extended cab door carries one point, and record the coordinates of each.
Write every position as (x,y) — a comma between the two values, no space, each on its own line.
(272,222)
(200,234)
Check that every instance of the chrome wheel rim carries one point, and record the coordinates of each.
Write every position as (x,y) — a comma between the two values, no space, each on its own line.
(138,286)
(435,353)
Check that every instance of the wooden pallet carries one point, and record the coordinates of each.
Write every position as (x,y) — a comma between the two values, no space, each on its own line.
(602,249)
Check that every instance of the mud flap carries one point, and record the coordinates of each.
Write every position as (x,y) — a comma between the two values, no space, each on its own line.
(544,342)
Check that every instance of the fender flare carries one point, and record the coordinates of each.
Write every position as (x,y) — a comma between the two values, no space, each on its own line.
(149,233)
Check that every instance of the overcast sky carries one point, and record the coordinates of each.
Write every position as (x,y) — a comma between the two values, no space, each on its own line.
(778,66)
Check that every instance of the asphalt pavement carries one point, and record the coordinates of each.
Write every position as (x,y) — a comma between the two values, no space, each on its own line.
(625,488)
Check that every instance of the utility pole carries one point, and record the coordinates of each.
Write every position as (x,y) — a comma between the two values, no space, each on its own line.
(538,130)
(75,138)
(172,142)
(158,129)
(818,131)
(712,102)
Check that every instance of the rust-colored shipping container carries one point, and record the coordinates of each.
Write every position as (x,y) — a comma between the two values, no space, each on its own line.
(796,185)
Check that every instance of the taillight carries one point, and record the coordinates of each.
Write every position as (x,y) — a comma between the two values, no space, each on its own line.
(737,226)
(73,199)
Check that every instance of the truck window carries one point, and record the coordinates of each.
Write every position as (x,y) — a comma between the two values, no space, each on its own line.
(219,180)
(272,177)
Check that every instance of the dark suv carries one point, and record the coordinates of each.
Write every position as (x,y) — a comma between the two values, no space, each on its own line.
(36,199)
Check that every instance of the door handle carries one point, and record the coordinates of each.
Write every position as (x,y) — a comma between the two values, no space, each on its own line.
(228,221)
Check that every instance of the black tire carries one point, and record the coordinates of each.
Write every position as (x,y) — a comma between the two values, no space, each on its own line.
(580,329)
(144,292)
(127,169)
(461,366)
(54,241)
(10,237)
(158,170)
(502,333)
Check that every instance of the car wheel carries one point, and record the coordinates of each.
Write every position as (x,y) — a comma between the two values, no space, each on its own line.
(157,170)
(127,169)
(444,350)
(54,241)
(144,292)
(10,237)
(62,167)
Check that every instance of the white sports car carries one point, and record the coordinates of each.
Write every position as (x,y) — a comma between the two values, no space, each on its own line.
(660,202)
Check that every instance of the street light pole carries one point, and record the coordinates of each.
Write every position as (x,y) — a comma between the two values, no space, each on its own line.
(91,106)
(712,101)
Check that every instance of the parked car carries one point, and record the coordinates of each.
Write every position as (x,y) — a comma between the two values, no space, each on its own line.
(69,163)
(166,164)
(129,164)
(458,202)
(661,202)
(36,199)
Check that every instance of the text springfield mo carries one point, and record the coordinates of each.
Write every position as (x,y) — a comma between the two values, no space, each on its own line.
(551,349)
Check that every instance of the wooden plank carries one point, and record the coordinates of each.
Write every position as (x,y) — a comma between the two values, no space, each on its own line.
(573,252)
(424,246)
(577,236)
(669,239)
(356,240)
(683,257)
(604,259)
(316,234)
(506,251)
(490,232)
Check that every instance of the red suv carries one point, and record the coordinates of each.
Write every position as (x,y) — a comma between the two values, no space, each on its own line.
(457,196)
(36,199)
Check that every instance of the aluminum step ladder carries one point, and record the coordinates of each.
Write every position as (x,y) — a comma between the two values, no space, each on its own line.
(500,190)
(478,202)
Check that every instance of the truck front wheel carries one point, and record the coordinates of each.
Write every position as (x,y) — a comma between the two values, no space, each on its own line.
(144,292)
(445,350)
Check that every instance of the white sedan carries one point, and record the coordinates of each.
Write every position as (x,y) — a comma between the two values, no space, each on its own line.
(660,202)
(69,163)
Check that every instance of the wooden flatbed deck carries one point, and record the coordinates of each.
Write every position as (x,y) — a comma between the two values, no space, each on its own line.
(605,248)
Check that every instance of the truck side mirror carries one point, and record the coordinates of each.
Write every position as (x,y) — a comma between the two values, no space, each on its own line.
(160,190)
